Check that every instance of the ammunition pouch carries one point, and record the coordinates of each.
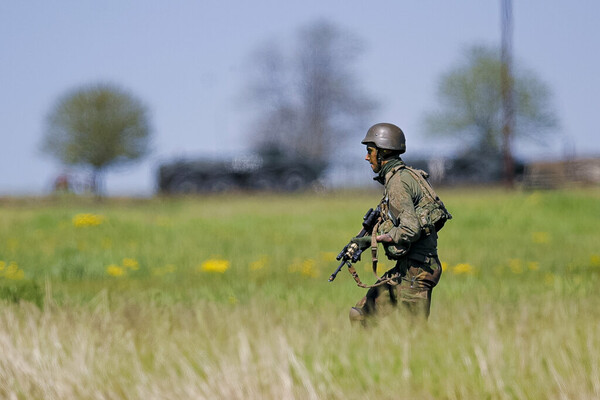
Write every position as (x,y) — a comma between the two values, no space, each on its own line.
(395,251)
(431,216)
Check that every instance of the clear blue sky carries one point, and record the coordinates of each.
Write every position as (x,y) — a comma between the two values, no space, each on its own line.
(187,60)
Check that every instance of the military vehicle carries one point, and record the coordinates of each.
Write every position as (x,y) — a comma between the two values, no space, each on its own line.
(251,172)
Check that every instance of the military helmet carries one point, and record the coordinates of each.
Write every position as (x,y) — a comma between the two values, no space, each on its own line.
(386,137)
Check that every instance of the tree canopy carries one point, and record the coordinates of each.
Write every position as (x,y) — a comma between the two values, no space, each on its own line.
(98,126)
(470,97)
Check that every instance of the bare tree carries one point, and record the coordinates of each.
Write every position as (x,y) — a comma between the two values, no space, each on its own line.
(99,126)
(308,99)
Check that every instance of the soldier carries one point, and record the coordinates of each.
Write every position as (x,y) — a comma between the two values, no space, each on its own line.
(411,216)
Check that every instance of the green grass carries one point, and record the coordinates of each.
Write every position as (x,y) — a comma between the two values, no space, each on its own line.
(516,314)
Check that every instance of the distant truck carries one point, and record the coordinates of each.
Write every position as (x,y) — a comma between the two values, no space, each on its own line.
(254,172)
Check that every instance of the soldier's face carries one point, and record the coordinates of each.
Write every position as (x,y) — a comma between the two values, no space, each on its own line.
(372,158)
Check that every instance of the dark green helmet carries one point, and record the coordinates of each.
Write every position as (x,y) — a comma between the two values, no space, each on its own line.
(386,137)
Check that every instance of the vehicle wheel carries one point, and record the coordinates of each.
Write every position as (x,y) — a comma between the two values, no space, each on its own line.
(220,185)
(264,183)
(294,181)
(184,186)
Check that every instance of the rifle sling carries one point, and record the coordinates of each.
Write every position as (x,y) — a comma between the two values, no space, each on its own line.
(379,282)
(374,245)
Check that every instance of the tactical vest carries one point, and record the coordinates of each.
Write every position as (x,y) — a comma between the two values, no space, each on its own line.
(430,209)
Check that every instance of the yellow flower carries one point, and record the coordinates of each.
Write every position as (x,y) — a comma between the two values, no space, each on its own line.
(463,268)
(215,265)
(309,269)
(2,266)
(259,264)
(595,260)
(515,266)
(131,264)
(13,272)
(115,270)
(305,267)
(540,237)
(444,266)
(81,220)
(533,265)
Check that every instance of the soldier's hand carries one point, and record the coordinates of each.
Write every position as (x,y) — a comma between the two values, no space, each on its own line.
(362,242)
(385,238)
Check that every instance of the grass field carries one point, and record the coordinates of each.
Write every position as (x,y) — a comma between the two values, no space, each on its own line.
(227,298)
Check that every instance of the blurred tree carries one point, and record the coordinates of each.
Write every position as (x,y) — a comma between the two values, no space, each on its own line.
(308,99)
(471,108)
(99,126)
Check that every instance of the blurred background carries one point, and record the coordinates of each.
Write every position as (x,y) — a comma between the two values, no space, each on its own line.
(140,97)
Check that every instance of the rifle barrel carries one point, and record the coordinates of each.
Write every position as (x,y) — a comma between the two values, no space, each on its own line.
(332,277)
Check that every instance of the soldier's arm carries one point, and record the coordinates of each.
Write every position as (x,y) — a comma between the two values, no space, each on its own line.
(401,191)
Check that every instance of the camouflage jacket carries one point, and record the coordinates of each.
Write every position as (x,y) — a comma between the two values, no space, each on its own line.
(401,195)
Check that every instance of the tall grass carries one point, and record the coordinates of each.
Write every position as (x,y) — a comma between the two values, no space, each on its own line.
(227,297)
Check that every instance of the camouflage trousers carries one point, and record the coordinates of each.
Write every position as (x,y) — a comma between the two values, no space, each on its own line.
(411,290)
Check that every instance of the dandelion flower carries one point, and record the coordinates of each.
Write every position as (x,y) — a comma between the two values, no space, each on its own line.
(533,265)
(309,269)
(463,268)
(115,270)
(13,272)
(215,265)
(305,267)
(81,220)
(515,265)
(131,264)
(595,260)
(259,264)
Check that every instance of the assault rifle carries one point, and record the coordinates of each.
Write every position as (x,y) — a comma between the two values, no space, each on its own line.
(351,253)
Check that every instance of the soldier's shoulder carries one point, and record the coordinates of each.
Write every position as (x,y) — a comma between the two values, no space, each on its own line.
(406,179)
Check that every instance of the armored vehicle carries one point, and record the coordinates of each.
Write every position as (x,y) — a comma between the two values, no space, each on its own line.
(252,172)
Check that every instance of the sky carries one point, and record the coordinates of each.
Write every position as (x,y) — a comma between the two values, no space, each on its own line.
(188,61)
